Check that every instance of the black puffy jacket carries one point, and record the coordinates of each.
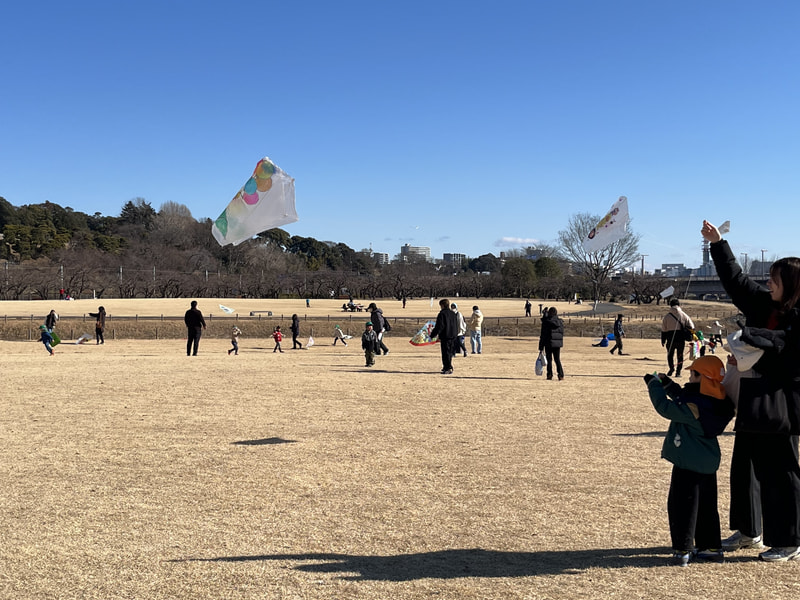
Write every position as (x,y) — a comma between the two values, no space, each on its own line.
(552,334)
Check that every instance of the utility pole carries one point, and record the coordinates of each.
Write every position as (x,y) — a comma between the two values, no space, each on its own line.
(762,263)
(643,255)
(744,262)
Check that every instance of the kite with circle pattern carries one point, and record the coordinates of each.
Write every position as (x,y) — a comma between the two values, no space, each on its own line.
(265,201)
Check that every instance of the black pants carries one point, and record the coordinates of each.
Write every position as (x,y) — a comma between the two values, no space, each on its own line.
(617,344)
(765,485)
(446,347)
(295,343)
(692,508)
(459,346)
(193,340)
(553,356)
(98,334)
(675,348)
(382,346)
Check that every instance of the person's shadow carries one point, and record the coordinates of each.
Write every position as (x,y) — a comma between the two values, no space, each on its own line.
(455,563)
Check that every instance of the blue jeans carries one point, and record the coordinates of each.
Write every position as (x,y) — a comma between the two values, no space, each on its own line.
(475,340)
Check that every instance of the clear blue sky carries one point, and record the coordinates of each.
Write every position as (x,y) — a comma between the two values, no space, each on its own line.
(454,125)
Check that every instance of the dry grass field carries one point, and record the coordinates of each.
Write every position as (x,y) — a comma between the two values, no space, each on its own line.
(133,471)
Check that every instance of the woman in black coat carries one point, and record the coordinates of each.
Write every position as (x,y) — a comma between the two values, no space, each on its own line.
(295,327)
(551,340)
(765,475)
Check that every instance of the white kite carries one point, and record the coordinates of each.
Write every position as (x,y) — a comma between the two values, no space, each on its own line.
(725,227)
(609,229)
(264,202)
(667,292)
(225,309)
(310,342)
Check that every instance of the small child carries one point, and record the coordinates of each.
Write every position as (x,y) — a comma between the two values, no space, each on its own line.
(235,333)
(277,336)
(47,339)
(698,413)
(338,336)
(369,342)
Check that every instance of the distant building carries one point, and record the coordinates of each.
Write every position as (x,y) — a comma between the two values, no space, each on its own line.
(673,270)
(382,258)
(453,258)
(408,252)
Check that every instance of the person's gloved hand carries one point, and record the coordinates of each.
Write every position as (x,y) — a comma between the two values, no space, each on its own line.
(765,339)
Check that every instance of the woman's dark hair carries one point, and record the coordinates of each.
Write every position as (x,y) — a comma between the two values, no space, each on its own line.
(788,271)
(294,316)
(552,311)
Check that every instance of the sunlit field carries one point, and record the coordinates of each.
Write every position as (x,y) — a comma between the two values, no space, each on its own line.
(133,471)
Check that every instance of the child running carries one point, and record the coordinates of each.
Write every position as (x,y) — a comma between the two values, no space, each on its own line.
(338,336)
(47,339)
(698,413)
(277,336)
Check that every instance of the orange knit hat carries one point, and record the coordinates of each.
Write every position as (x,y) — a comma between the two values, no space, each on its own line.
(711,371)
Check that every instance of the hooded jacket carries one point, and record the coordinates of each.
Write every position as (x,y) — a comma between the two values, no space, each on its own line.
(475,320)
(695,422)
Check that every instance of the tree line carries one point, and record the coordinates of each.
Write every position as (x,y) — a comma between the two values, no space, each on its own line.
(144,252)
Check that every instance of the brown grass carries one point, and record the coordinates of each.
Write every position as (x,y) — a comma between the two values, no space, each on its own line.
(132,471)
(163,318)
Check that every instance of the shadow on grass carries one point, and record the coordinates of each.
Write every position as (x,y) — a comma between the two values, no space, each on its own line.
(454,375)
(659,434)
(264,442)
(452,564)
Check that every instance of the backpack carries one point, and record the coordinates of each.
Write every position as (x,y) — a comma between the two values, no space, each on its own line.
(386,326)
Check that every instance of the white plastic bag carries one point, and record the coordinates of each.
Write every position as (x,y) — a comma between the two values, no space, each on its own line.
(541,363)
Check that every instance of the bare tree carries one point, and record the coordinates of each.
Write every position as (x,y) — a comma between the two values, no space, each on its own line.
(598,265)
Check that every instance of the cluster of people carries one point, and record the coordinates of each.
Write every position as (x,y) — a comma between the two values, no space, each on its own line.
(49,338)
(451,330)
(765,472)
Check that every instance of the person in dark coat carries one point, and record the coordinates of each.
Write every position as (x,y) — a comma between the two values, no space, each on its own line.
(295,327)
(51,320)
(446,329)
(765,474)
(619,333)
(195,324)
(551,340)
(99,325)
(379,326)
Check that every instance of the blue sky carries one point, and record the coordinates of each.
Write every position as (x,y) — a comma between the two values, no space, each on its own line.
(454,125)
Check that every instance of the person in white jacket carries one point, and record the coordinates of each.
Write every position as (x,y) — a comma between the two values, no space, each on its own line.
(462,331)
(673,327)
(475,322)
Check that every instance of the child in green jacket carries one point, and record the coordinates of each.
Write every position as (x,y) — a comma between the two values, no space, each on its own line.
(698,412)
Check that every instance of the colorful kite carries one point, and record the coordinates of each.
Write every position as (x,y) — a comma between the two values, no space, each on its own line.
(609,229)
(265,201)
(423,336)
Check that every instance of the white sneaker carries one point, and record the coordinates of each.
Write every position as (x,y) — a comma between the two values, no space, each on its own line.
(740,541)
(781,554)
